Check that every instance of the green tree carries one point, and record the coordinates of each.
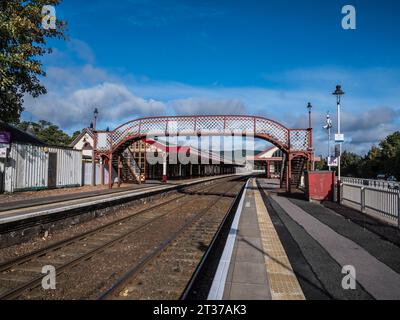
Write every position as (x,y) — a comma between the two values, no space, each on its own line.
(390,151)
(384,159)
(396,167)
(371,165)
(321,165)
(74,135)
(391,145)
(22,41)
(47,132)
(350,163)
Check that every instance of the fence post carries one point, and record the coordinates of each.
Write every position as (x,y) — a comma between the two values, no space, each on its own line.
(398,209)
(341,192)
(363,199)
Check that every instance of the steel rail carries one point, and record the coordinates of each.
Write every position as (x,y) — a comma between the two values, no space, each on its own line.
(12,293)
(217,235)
(106,195)
(24,258)
(134,271)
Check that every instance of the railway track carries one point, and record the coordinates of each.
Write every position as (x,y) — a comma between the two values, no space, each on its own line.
(166,272)
(73,198)
(21,276)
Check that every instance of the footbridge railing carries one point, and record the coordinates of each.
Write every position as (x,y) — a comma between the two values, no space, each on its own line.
(288,140)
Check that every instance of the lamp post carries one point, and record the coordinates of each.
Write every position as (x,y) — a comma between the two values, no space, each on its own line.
(95,114)
(328,126)
(338,93)
(309,107)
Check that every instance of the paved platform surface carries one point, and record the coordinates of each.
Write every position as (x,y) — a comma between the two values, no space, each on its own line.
(287,248)
(24,209)
(40,200)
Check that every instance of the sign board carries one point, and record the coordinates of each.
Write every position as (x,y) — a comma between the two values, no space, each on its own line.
(5,137)
(337,151)
(3,153)
(339,138)
(333,162)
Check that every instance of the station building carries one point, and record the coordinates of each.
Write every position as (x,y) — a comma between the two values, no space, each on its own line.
(269,161)
(206,164)
(135,165)
(84,142)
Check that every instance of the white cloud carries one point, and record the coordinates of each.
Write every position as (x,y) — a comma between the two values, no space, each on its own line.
(370,119)
(73,92)
(115,102)
(82,50)
(204,106)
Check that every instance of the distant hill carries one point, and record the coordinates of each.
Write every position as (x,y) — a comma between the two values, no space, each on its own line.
(228,153)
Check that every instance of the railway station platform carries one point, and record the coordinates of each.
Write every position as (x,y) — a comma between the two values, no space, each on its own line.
(23,209)
(282,248)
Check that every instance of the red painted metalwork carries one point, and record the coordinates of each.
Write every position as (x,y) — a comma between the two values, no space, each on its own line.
(110,183)
(294,142)
(286,139)
(94,156)
(102,173)
(119,170)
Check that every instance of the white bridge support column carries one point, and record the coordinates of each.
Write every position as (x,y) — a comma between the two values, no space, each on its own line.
(164,177)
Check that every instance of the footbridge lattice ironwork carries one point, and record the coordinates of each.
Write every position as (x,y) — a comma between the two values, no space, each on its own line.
(293,142)
(288,140)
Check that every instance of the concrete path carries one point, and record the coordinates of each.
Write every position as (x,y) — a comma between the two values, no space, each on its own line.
(376,277)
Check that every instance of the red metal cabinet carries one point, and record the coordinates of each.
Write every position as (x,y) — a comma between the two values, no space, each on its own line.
(320,185)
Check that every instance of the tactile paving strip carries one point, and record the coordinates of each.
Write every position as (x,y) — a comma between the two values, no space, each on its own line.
(282,280)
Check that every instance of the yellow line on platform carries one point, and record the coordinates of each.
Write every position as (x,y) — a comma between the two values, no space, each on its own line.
(282,280)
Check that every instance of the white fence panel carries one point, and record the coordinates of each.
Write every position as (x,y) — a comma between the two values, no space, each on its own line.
(378,201)
(382,201)
(377,184)
(352,194)
(27,167)
(87,174)
(69,167)
(2,175)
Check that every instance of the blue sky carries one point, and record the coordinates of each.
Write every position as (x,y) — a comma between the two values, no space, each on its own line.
(156,57)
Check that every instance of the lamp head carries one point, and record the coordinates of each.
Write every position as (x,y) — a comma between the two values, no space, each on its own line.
(338,92)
